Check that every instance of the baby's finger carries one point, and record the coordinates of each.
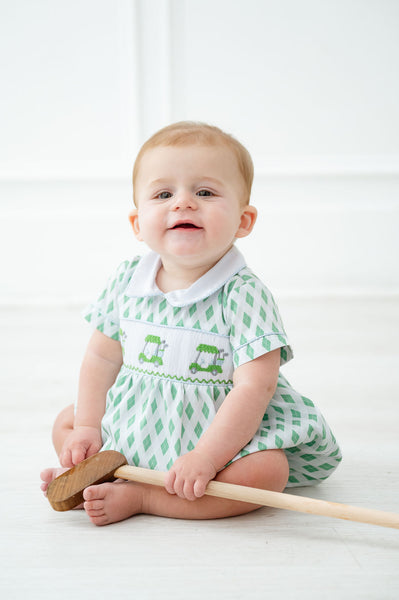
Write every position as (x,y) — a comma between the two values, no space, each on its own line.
(199,488)
(93,449)
(188,491)
(178,487)
(170,482)
(66,459)
(78,454)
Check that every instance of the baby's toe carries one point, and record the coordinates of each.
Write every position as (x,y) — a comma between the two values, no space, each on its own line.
(99,520)
(93,505)
(93,493)
(47,475)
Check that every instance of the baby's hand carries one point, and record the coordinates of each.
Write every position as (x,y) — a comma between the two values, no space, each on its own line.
(81,443)
(190,475)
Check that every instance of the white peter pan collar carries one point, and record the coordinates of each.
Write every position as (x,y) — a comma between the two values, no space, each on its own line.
(143,281)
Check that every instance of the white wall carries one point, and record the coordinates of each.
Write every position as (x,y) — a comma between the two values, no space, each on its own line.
(310,87)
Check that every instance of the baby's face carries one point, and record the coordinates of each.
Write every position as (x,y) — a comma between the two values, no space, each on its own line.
(190,202)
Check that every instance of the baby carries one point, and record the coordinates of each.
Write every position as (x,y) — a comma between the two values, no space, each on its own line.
(182,372)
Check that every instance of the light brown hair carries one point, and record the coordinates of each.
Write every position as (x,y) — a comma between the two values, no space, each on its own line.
(185,133)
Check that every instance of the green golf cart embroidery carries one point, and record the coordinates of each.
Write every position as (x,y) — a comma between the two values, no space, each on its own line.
(153,350)
(209,359)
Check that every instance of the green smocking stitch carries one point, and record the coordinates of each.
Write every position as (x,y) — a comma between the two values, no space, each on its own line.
(181,378)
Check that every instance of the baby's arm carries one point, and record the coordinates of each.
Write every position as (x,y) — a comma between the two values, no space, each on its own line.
(100,366)
(234,425)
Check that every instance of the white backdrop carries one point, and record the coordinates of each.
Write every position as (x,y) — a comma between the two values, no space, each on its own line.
(310,87)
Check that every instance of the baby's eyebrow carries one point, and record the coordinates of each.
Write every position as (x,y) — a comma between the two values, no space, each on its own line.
(201,180)
(161,180)
(212,179)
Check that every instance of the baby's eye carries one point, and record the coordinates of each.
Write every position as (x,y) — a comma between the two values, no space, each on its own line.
(164,195)
(204,193)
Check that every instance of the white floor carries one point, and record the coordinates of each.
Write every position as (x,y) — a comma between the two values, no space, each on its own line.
(346,360)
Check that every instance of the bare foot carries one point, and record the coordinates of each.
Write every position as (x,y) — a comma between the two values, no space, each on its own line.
(48,475)
(111,502)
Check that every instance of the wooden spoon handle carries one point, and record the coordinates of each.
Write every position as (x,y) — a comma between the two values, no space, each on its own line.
(275,499)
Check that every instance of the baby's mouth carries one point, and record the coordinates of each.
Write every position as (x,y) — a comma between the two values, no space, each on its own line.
(184,226)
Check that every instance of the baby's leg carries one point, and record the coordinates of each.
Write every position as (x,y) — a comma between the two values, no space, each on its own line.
(63,425)
(110,502)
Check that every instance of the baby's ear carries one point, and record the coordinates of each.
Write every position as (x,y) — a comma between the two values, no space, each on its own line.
(247,222)
(134,221)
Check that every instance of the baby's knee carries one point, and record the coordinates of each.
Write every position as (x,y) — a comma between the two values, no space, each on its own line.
(65,418)
(266,469)
(270,470)
(63,425)
(279,470)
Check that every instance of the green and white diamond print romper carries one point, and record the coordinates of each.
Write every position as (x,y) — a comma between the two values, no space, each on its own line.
(180,350)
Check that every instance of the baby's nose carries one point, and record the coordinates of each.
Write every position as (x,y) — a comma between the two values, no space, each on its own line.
(184,199)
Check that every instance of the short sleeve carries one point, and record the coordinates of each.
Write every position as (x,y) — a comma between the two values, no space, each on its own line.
(255,323)
(103,314)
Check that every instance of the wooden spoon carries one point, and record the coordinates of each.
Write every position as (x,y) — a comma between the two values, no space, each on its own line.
(66,491)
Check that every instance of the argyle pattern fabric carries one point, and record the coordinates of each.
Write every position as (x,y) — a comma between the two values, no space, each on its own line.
(178,368)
